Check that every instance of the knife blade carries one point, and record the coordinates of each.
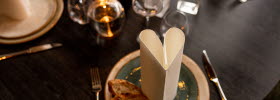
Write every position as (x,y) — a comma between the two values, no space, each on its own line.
(31,50)
(212,74)
(208,66)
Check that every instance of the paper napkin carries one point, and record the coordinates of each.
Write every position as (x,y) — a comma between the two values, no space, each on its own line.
(161,64)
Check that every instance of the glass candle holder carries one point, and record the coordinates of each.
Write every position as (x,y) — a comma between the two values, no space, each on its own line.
(107,17)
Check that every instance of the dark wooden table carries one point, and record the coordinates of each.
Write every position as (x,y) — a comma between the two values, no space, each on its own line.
(242,40)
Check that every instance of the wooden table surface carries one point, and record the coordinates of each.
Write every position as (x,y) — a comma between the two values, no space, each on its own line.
(242,40)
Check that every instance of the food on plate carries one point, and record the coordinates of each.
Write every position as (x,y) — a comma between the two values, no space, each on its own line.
(124,90)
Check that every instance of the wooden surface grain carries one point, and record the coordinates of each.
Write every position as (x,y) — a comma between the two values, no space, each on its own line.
(242,40)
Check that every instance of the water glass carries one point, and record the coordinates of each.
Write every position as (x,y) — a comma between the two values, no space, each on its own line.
(188,6)
(77,10)
(147,8)
(174,19)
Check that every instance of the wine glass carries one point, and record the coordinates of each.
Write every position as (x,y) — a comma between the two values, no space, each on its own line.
(78,10)
(147,8)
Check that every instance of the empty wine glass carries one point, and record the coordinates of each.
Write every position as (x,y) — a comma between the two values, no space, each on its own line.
(78,10)
(147,8)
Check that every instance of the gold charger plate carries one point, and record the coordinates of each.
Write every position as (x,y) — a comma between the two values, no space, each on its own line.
(50,24)
(192,82)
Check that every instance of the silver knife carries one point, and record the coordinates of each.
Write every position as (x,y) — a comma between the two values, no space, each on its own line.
(212,74)
(31,50)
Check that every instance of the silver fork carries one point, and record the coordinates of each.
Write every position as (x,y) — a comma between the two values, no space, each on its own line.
(95,81)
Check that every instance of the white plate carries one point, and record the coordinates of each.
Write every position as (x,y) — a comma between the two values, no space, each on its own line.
(39,32)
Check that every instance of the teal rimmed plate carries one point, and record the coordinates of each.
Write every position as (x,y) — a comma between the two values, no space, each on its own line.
(192,83)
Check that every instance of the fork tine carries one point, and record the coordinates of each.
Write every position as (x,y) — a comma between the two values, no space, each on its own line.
(98,77)
(91,76)
(95,76)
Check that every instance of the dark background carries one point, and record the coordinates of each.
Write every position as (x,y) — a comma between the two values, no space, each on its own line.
(242,40)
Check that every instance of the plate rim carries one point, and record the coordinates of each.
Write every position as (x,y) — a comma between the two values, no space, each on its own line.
(202,84)
(50,24)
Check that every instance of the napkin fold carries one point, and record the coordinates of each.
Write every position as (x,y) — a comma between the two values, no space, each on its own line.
(161,64)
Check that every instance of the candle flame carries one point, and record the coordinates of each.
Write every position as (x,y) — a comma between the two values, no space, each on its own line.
(107,19)
(2,58)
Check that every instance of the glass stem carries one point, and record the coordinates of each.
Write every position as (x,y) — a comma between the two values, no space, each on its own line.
(147,22)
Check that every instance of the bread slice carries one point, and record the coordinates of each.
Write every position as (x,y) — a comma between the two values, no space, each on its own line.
(130,97)
(124,90)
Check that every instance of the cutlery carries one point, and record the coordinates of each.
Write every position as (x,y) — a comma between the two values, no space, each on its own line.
(31,50)
(212,74)
(95,81)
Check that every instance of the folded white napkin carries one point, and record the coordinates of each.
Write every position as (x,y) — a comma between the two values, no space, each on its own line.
(161,64)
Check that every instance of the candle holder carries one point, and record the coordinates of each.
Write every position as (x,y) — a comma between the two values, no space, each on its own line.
(106,17)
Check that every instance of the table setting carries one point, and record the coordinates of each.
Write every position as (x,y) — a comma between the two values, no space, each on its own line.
(139,50)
